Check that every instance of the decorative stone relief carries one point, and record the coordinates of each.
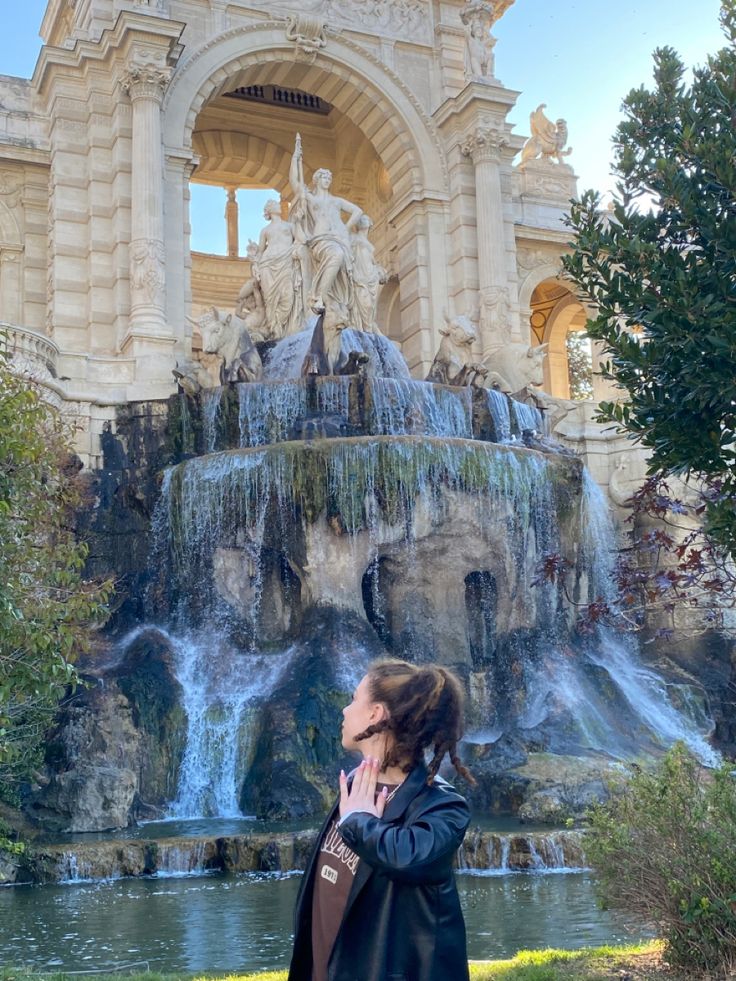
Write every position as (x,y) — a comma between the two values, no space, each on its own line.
(307,33)
(555,183)
(10,188)
(496,310)
(148,269)
(547,141)
(529,259)
(407,19)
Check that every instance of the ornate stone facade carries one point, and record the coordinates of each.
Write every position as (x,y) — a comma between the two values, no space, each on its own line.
(133,99)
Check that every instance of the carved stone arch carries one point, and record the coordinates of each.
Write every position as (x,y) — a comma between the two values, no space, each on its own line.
(388,311)
(345,74)
(547,270)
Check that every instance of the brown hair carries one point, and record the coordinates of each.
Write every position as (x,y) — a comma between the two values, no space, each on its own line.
(425,708)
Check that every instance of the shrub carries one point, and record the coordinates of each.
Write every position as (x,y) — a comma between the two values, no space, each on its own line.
(664,849)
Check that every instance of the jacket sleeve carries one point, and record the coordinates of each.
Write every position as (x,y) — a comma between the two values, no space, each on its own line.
(409,852)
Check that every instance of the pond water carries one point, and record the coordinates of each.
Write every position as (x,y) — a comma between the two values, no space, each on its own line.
(243,922)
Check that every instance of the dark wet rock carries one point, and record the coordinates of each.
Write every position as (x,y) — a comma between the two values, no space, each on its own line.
(297,734)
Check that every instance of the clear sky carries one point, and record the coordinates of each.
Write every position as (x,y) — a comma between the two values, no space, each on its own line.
(581,57)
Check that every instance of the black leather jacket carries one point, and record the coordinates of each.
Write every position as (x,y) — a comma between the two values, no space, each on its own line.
(403,920)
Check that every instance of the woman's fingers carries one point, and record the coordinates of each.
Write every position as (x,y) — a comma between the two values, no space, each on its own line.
(381,802)
(362,792)
(343,792)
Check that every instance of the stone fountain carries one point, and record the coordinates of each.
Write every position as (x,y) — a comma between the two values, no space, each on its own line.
(273,534)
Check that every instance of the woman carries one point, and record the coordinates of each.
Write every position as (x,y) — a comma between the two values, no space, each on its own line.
(378,901)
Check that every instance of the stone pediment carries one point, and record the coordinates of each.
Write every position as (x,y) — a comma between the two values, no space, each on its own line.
(405,19)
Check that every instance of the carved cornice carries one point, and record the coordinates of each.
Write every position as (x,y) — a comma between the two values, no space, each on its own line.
(485,145)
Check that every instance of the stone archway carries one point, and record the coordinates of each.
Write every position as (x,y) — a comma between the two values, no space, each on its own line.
(555,313)
(375,100)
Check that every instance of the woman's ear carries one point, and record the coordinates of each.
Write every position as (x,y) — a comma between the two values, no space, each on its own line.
(379,713)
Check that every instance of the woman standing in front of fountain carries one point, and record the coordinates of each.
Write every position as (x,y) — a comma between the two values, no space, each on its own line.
(378,901)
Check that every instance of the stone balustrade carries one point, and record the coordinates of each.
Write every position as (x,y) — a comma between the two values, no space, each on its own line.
(31,353)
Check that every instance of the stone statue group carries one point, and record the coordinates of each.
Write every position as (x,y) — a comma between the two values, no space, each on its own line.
(316,263)
(313,262)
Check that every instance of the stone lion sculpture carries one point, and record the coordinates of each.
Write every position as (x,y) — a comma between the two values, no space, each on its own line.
(548,139)
(453,364)
(228,337)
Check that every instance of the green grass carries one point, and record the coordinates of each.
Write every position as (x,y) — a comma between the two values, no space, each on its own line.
(528,965)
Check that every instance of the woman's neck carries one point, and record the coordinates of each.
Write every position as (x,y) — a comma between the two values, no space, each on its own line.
(392,775)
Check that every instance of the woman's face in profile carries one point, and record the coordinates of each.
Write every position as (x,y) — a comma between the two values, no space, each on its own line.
(360,713)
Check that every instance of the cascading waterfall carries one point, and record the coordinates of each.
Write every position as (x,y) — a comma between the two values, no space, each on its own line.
(528,417)
(220,686)
(211,402)
(205,499)
(644,691)
(498,406)
(638,712)
(267,411)
(402,408)
(241,532)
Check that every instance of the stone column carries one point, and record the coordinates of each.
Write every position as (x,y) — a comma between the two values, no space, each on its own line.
(148,333)
(231,217)
(485,147)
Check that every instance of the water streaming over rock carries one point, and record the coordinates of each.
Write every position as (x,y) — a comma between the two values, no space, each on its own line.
(528,417)
(498,405)
(402,407)
(220,686)
(211,402)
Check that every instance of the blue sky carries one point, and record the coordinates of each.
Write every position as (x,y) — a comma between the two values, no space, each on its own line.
(581,57)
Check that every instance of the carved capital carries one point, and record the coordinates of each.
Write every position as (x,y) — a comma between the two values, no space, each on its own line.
(147,271)
(485,144)
(146,75)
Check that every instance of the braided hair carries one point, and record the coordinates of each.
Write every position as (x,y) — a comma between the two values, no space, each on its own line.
(425,706)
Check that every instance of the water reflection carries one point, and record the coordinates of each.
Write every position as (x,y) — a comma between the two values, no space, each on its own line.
(243,923)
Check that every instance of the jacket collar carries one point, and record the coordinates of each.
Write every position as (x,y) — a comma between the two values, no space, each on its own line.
(415,780)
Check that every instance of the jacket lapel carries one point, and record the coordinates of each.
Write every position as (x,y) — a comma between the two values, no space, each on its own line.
(395,809)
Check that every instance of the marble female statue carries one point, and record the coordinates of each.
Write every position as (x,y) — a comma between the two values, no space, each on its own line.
(278,271)
(367,277)
(479,47)
(318,215)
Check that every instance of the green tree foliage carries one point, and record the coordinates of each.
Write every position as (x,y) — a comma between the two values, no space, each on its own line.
(46,605)
(664,849)
(661,271)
